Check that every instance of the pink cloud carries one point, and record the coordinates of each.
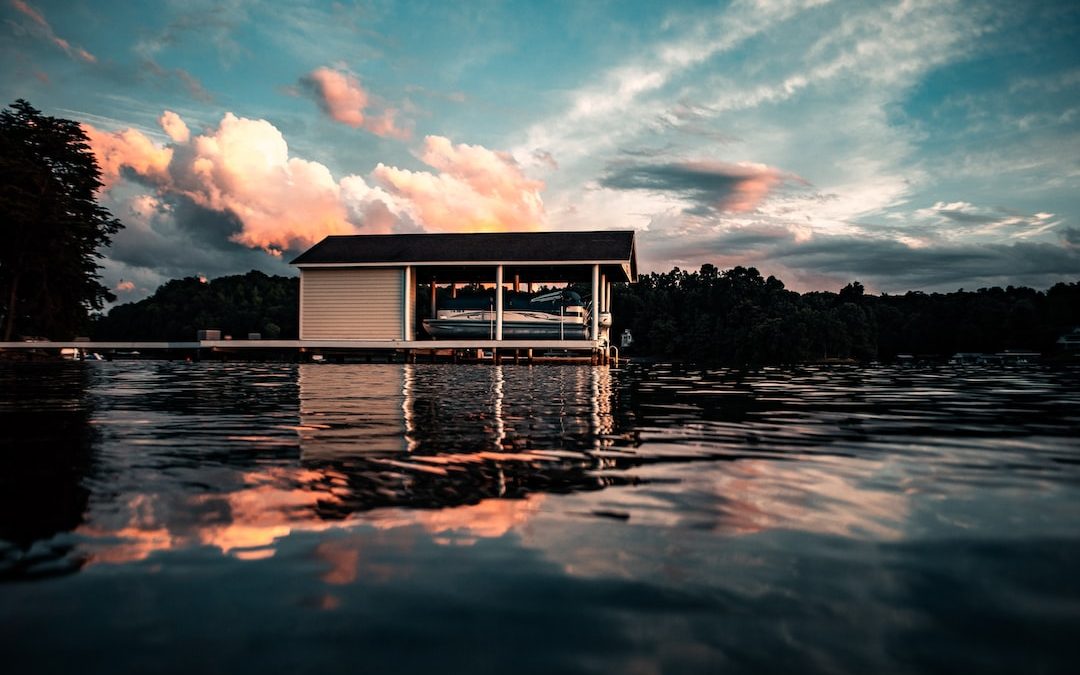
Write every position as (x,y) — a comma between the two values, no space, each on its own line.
(753,183)
(339,95)
(342,97)
(47,32)
(476,189)
(125,286)
(243,167)
(174,126)
(29,11)
(129,149)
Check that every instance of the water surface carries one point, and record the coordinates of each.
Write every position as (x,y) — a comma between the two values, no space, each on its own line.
(167,516)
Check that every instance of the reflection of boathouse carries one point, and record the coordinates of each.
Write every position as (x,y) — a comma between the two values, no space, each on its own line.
(362,290)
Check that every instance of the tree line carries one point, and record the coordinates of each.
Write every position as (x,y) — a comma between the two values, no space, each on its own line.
(236,305)
(734,317)
(738,317)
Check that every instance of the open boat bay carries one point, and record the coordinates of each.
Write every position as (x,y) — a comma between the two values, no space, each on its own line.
(174,517)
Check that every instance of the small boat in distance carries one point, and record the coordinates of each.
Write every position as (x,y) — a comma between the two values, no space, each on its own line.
(559,315)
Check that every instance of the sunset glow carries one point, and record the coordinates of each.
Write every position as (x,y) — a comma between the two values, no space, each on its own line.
(910,145)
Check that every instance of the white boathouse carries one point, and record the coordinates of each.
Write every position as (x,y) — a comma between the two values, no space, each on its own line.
(363,288)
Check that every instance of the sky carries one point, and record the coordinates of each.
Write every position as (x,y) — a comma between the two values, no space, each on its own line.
(908,145)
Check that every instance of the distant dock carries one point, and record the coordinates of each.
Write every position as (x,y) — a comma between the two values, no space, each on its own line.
(410,351)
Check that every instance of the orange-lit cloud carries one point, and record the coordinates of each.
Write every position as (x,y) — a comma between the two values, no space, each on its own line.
(341,96)
(475,189)
(243,167)
(129,149)
(174,126)
(46,31)
(125,286)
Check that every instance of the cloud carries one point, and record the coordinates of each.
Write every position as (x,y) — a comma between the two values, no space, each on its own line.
(344,100)
(718,186)
(174,127)
(170,77)
(823,261)
(953,219)
(236,185)
(339,95)
(243,167)
(615,104)
(128,149)
(43,28)
(475,189)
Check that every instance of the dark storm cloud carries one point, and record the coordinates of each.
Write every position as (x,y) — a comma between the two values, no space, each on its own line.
(1070,235)
(180,238)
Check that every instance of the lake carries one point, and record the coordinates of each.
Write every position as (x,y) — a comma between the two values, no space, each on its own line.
(223,517)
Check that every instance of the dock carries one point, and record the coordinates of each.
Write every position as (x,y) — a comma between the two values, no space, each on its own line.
(410,351)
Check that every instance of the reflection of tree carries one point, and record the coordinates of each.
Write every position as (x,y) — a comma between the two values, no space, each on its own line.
(45,457)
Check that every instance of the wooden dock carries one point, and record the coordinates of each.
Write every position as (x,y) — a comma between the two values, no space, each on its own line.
(496,351)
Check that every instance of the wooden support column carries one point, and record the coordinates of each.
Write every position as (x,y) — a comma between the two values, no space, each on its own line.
(406,293)
(453,290)
(499,302)
(433,290)
(517,283)
(603,296)
(595,334)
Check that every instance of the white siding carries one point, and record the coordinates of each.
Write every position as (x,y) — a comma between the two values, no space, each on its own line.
(351,304)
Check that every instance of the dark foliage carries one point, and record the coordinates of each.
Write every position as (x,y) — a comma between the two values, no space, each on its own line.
(51,225)
(235,305)
(709,316)
(738,317)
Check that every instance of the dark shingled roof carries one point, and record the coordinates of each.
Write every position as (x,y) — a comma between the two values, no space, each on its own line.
(505,247)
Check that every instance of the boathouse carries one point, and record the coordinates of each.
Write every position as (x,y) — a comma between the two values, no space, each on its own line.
(365,287)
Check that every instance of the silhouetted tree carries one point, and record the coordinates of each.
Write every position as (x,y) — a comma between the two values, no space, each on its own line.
(736,317)
(51,225)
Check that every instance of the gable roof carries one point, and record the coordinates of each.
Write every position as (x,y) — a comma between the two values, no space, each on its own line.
(606,246)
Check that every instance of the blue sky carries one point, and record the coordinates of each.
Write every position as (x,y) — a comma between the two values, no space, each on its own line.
(909,145)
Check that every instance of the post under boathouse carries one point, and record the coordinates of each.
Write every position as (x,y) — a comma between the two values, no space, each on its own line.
(363,289)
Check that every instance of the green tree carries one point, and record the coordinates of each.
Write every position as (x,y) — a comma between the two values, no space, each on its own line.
(51,224)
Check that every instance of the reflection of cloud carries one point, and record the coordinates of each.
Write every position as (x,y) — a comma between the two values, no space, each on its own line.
(763,495)
(747,498)
(272,505)
(246,523)
(491,518)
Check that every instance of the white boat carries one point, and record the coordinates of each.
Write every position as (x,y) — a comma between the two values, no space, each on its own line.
(560,315)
